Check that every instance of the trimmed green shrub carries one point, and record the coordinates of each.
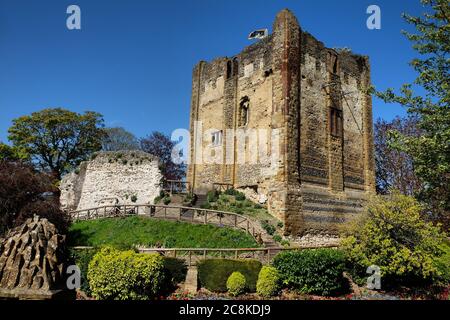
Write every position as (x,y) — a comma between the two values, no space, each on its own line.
(166,200)
(313,271)
(213,273)
(393,236)
(236,284)
(176,270)
(125,275)
(268,282)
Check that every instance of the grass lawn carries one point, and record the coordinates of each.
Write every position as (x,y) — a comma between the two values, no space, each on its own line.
(244,207)
(129,231)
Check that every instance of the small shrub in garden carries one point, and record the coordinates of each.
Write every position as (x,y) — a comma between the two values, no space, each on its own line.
(125,275)
(313,271)
(236,284)
(268,283)
(393,236)
(277,238)
(270,229)
(231,192)
(239,196)
(212,196)
(213,273)
(166,200)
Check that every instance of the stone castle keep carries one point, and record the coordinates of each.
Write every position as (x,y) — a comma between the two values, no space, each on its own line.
(314,98)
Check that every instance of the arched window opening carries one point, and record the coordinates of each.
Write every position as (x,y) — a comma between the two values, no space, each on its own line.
(244,112)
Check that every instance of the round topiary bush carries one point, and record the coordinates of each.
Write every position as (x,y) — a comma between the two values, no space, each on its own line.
(125,275)
(268,282)
(236,284)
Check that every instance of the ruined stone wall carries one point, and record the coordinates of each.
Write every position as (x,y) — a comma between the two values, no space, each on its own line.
(112,178)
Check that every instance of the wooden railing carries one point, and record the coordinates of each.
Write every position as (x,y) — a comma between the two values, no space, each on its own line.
(187,214)
(192,256)
(222,186)
(176,186)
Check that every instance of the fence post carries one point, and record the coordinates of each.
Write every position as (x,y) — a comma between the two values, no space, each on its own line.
(248,226)
(190,258)
(235,221)
(204,254)
(206,217)
(235,254)
(179,214)
(124,210)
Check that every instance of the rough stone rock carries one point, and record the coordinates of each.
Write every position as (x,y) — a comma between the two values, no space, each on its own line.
(254,196)
(317,239)
(32,261)
(111,178)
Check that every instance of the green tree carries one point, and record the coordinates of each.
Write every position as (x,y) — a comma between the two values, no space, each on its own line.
(57,139)
(118,138)
(160,145)
(431,150)
(9,153)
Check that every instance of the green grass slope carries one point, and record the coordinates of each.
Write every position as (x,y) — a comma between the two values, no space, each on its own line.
(129,231)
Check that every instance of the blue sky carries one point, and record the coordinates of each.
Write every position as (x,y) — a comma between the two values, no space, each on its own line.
(132,60)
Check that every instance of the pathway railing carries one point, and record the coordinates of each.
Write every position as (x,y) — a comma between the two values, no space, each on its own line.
(176,186)
(187,214)
(221,187)
(192,256)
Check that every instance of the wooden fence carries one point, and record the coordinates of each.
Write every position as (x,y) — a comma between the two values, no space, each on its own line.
(187,214)
(221,187)
(192,256)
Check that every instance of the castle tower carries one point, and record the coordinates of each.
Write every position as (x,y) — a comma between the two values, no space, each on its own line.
(305,108)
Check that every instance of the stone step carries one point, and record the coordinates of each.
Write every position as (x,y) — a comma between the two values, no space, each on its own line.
(191,284)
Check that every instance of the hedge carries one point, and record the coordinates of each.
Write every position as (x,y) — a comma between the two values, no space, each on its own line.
(213,273)
(125,275)
(314,271)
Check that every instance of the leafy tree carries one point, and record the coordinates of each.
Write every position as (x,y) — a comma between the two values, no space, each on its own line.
(160,145)
(393,236)
(118,138)
(431,150)
(58,139)
(395,168)
(11,153)
(25,192)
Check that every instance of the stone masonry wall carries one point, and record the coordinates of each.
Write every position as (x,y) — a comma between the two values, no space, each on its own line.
(112,178)
(291,82)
